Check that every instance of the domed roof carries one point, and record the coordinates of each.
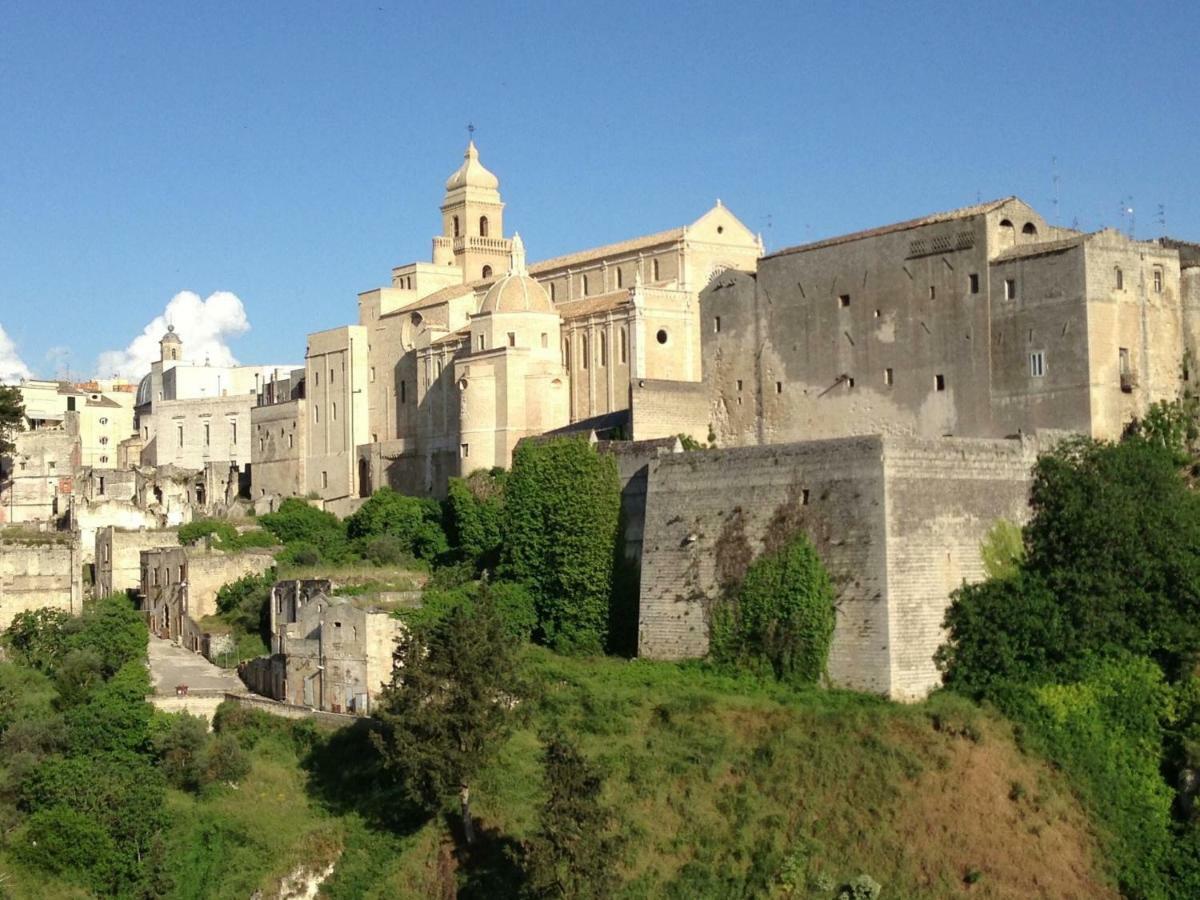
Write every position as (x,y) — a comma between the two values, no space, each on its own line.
(472,173)
(143,391)
(171,337)
(517,291)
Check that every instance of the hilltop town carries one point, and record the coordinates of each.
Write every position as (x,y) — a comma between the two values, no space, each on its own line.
(888,390)
(536,472)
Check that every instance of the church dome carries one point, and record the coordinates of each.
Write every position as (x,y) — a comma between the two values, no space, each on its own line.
(171,337)
(517,291)
(472,173)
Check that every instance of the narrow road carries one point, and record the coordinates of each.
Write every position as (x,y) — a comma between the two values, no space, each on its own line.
(171,665)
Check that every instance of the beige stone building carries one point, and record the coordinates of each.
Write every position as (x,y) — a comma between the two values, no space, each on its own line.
(457,359)
(191,414)
(979,322)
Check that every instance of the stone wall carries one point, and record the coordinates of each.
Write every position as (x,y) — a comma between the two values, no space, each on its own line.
(38,572)
(710,512)
(118,557)
(666,408)
(897,521)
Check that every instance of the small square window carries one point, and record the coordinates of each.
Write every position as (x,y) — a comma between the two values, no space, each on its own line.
(844,300)
(466,450)
(932,292)
(973,282)
(779,387)
(804,497)
(717,324)
(878,313)
(545,340)
(324,479)
(512,339)
(887,377)
(1158,281)
(1010,289)
(939,382)
(739,385)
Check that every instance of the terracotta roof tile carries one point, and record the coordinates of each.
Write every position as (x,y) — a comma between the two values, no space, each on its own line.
(587,306)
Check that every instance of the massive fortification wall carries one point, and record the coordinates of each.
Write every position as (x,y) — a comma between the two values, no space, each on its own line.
(710,512)
(942,497)
(898,522)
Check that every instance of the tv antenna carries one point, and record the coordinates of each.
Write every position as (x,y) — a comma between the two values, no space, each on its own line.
(1055,180)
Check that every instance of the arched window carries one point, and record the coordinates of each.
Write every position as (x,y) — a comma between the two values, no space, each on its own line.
(567,354)
(624,350)
(1120,279)
(1029,229)
(583,356)
(487,271)
(654,268)
(552,292)
(620,278)
(483,226)
(585,285)
(457,230)
(603,349)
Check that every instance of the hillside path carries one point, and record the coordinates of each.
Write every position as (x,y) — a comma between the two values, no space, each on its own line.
(171,665)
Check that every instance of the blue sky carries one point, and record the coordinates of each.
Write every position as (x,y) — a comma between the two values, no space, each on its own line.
(291,153)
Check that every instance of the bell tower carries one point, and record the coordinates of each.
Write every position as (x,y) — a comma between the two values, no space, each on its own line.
(472,235)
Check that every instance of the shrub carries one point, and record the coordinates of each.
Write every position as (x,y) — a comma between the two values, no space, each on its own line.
(415,522)
(1003,549)
(223,532)
(475,510)
(115,716)
(781,619)
(245,603)
(225,760)
(179,746)
(1106,731)
(387,550)
(562,502)
(296,523)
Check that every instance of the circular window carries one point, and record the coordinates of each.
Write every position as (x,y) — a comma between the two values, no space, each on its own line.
(720,229)
(103,420)
(662,335)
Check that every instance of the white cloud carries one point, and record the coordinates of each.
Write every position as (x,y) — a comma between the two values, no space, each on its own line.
(12,367)
(204,326)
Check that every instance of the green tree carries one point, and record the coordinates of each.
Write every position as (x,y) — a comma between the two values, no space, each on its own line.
(781,618)
(12,415)
(415,521)
(115,716)
(1113,536)
(179,744)
(38,637)
(475,509)
(561,510)
(574,852)
(448,707)
(114,630)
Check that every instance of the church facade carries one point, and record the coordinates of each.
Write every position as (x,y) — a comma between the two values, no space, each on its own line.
(459,358)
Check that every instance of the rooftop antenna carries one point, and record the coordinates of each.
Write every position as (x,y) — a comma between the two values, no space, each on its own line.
(1127,210)
(1054,178)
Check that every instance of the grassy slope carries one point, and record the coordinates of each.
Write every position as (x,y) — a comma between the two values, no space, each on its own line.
(716,781)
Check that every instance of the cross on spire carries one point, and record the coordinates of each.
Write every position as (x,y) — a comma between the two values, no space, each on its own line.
(470,131)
